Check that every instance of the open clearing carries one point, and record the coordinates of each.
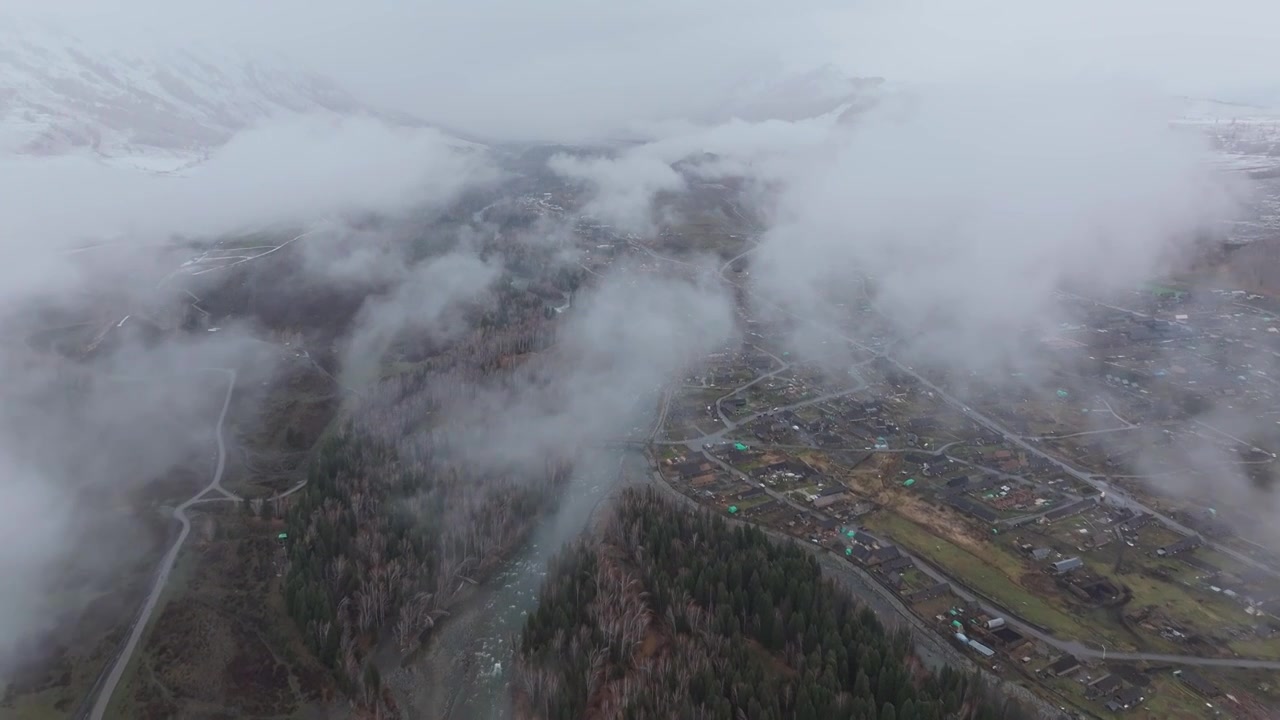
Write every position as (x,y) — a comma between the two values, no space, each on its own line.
(989,574)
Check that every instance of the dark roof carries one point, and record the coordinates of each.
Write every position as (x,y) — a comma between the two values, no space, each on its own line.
(898,563)
(865,538)
(960,481)
(1198,683)
(1136,523)
(693,467)
(1190,542)
(1040,553)
(1019,522)
(1007,634)
(1129,696)
(1106,685)
(1066,663)
(966,505)
(885,554)
(932,591)
(860,553)
(1132,676)
(837,490)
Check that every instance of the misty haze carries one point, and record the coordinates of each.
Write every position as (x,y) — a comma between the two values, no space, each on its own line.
(550,361)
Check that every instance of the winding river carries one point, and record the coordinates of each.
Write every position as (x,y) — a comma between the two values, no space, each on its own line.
(465,670)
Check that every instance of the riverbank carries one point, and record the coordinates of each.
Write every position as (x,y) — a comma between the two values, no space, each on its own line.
(463,672)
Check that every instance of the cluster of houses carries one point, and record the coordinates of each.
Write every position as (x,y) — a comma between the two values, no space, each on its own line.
(1109,689)
(983,632)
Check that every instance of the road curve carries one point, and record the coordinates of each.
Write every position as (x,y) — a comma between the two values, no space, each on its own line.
(166,565)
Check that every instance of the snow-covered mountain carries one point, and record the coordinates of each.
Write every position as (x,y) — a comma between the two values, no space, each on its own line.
(159,110)
(802,95)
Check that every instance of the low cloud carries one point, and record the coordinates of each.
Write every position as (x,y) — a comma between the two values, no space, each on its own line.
(633,333)
(292,170)
(77,443)
(969,208)
(425,302)
(622,187)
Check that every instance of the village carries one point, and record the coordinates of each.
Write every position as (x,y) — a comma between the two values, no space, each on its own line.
(1029,519)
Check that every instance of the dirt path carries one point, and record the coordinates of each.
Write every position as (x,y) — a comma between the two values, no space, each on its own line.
(106,686)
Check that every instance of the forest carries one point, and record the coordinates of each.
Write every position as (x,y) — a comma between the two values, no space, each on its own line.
(397,517)
(676,614)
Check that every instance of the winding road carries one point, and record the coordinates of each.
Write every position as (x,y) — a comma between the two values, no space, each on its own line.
(106,687)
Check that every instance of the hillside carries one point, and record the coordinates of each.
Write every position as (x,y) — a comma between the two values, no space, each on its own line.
(158,110)
(675,614)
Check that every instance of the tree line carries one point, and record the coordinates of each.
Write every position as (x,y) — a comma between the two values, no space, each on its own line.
(677,614)
(394,519)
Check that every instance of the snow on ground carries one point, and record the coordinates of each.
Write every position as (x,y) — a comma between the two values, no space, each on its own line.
(157,111)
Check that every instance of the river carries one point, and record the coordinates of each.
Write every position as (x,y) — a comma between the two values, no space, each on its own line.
(463,673)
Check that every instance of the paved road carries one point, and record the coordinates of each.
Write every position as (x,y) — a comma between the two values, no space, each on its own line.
(166,565)
(1117,496)
(1072,646)
(1099,483)
(1075,647)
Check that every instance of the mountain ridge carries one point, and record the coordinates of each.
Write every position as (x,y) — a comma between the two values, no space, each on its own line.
(160,111)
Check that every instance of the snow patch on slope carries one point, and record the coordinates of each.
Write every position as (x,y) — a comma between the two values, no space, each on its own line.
(157,111)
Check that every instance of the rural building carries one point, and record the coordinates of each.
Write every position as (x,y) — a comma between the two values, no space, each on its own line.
(1104,686)
(981,649)
(867,540)
(1065,566)
(1040,554)
(884,554)
(829,497)
(1064,665)
(898,563)
(692,468)
(929,593)
(859,553)
(1135,524)
(1126,699)
(1198,683)
(1186,544)
(1007,637)
(969,507)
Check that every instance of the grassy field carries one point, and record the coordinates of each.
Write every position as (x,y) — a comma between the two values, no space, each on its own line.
(1169,699)
(992,574)
(1258,648)
(220,643)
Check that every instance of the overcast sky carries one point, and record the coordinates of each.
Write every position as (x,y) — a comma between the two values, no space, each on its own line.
(569,67)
